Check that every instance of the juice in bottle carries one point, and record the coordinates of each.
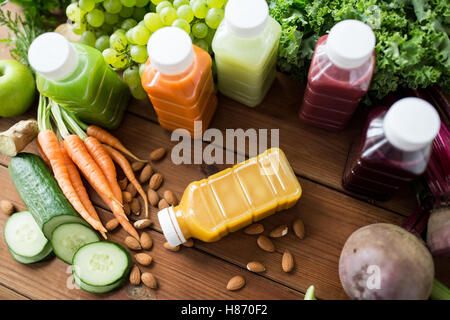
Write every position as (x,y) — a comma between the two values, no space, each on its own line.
(178,79)
(77,77)
(232,199)
(393,150)
(245,50)
(339,76)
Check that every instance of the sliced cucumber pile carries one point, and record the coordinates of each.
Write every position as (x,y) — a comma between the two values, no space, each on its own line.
(69,237)
(24,238)
(100,267)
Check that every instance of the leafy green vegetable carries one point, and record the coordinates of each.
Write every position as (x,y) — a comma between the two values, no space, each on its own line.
(44,11)
(413,46)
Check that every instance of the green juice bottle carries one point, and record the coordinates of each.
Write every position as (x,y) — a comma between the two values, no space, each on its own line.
(245,50)
(77,77)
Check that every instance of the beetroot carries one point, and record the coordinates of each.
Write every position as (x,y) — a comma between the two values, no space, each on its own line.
(438,234)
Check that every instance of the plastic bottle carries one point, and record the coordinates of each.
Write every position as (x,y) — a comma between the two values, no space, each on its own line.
(245,49)
(232,199)
(77,77)
(393,150)
(178,80)
(339,76)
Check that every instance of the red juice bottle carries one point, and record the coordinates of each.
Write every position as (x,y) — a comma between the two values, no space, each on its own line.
(339,76)
(393,150)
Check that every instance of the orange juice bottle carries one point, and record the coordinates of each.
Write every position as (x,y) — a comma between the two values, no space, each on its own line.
(178,79)
(232,199)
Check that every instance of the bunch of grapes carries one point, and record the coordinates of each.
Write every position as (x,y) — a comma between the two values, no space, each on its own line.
(120,29)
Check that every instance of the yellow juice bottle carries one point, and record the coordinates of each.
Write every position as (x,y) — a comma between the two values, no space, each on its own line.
(232,199)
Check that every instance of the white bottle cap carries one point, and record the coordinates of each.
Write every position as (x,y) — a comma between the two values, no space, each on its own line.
(170,50)
(350,44)
(246,18)
(170,227)
(52,56)
(411,124)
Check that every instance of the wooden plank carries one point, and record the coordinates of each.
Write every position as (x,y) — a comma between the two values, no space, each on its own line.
(8,294)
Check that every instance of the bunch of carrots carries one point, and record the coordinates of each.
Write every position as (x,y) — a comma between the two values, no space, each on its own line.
(92,151)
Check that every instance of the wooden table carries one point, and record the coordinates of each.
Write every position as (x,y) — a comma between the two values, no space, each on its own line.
(330,214)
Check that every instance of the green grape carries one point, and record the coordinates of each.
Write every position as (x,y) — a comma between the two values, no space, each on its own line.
(128,3)
(129,35)
(168,15)
(107,28)
(141,69)
(128,24)
(119,30)
(153,21)
(86,5)
(179,3)
(141,3)
(102,42)
(185,12)
(79,28)
(118,41)
(111,18)
(200,30)
(99,33)
(156,2)
(200,9)
(110,55)
(201,43)
(138,92)
(139,13)
(73,12)
(131,76)
(141,35)
(215,3)
(139,53)
(88,37)
(142,23)
(182,24)
(162,5)
(209,38)
(121,62)
(126,12)
(112,6)
(214,17)
(95,18)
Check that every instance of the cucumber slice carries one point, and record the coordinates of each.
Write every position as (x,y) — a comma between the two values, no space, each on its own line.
(24,238)
(101,264)
(94,289)
(67,238)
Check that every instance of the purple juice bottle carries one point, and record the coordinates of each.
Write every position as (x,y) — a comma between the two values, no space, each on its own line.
(393,150)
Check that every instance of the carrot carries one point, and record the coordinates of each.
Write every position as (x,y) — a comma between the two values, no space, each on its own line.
(105,163)
(126,168)
(42,154)
(50,145)
(109,139)
(79,187)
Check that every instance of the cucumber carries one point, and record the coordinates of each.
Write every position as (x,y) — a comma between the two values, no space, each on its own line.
(39,190)
(24,238)
(96,289)
(101,264)
(69,237)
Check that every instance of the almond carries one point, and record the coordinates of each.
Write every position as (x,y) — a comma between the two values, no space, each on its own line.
(279,231)
(254,229)
(266,244)
(149,280)
(162,204)
(256,266)
(146,241)
(299,228)
(7,207)
(136,166)
(287,262)
(189,243)
(112,224)
(126,196)
(170,197)
(135,276)
(123,184)
(126,209)
(157,154)
(142,224)
(153,197)
(132,243)
(131,189)
(135,206)
(143,259)
(236,283)
(146,173)
(167,246)
(155,181)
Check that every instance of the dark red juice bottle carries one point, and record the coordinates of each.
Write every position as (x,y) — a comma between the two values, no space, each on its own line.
(339,76)
(393,150)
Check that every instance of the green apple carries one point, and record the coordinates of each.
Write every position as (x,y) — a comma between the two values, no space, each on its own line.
(17,88)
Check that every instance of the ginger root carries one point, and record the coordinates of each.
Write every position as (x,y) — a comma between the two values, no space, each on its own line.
(16,138)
